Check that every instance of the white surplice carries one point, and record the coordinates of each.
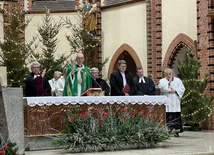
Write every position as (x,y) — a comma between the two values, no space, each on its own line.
(56,87)
(165,87)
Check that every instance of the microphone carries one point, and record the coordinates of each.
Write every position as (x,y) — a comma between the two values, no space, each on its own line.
(97,82)
(94,88)
(94,80)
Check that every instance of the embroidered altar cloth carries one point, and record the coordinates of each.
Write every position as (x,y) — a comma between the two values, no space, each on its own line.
(65,100)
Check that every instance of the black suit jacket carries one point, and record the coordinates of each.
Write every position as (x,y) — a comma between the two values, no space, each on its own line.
(36,87)
(147,88)
(97,83)
(116,83)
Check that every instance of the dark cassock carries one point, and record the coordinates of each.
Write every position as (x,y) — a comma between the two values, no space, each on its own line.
(100,83)
(144,86)
(117,82)
(36,85)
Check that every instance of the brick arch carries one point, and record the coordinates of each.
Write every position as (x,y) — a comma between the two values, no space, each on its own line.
(120,50)
(181,40)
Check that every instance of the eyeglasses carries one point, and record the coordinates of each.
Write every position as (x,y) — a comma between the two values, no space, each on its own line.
(80,58)
(35,67)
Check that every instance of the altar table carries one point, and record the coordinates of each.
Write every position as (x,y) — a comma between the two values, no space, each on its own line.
(46,115)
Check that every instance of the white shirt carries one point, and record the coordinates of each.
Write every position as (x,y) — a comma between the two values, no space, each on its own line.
(124,78)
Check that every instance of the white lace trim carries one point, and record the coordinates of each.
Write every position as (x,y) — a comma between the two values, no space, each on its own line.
(65,100)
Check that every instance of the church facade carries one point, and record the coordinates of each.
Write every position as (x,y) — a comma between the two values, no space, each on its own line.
(153,34)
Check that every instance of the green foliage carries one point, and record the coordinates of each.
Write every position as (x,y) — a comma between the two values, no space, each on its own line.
(189,67)
(48,32)
(195,106)
(113,126)
(198,85)
(13,50)
(8,148)
(88,43)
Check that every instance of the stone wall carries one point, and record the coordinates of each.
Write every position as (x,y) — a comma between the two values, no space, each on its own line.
(11,114)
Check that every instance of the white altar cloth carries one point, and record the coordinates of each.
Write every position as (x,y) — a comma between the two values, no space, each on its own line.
(65,100)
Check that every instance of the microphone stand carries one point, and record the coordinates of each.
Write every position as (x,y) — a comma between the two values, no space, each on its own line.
(94,79)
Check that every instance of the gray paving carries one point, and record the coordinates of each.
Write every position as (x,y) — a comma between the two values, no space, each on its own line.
(189,143)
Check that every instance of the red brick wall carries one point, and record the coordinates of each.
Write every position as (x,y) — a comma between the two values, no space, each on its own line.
(99,31)
(8,7)
(206,51)
(154,39)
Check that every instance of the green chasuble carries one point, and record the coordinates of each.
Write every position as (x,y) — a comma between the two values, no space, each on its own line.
(71,81)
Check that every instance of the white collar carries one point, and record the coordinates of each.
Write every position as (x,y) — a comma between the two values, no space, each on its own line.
(123,73)
(142,79)
(35,76)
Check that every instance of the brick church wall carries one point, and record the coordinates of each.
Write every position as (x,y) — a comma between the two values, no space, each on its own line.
(206,52)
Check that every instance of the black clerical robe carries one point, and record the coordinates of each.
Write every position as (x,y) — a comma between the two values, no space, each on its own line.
(36,86)
(146,87)
(116,83)
(100,83)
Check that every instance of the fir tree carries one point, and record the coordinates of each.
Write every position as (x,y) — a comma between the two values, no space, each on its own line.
(196,106)
(48,32)
(13,50)
(81,40)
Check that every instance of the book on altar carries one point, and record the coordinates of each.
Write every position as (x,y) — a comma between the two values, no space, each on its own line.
(126,89)
(92,92)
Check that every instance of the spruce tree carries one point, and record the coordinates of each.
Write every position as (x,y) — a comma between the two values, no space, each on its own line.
(13,50)
(81,40)
(196,106)
(48,32)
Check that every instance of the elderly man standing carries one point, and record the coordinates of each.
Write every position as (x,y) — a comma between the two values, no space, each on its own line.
(143,85)
(174,89)
(98,82)
(78,78)
(35,83)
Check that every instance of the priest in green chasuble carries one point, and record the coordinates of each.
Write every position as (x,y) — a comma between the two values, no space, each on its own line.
(78,77)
